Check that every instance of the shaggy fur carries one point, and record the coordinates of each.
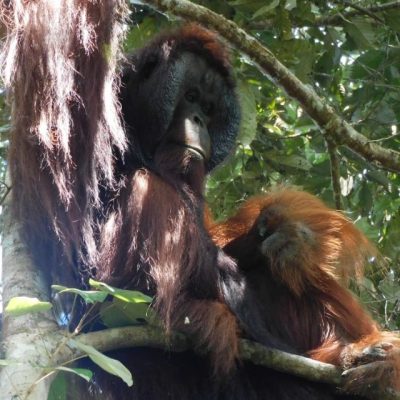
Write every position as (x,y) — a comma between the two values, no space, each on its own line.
(59,64)
(296,256)
(89,208)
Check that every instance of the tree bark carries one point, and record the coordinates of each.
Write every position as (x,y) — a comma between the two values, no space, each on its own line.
(27,340)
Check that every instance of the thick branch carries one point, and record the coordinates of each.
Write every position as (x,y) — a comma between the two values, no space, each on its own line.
(28,337)
(331,124)
(148,336)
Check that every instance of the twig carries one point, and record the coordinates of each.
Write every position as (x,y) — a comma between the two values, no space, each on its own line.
(335,174)
(361,10)
(6,193)
(336,19)
(385,139)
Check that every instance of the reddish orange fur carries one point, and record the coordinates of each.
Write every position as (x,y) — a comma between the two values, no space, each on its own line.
(335,251)
(215,329)
(210,42)
(342,248)
(88,203)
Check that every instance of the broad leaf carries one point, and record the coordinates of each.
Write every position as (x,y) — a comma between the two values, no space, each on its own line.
(25,305)
(109,364)
(89,296)
(85,374)
(130,296)
(266,9)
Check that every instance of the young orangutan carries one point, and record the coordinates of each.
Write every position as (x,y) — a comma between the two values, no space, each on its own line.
(296,256)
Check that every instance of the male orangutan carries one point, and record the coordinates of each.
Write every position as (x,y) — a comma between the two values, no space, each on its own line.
(123,203)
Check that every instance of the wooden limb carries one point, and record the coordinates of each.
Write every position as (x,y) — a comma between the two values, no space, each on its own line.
(28,337)
(148,336)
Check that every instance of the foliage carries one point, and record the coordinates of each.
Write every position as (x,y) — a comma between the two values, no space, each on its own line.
(135,303)
(351,56)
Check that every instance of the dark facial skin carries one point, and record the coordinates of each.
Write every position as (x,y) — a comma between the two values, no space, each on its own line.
(178,98)
(196,107)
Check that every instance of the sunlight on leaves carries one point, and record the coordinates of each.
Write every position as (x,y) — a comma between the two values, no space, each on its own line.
(130,296)
(109,364)
(85,374)
(25,305)
(89,296)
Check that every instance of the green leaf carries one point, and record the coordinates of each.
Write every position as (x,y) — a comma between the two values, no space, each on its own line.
(292,161)
(129,296)
(85,374)
(392,19)
(367,291)
(120,313)
(386,115)
(368,284)
(366,64)
(378,177)
(389,289)
(290,4)
(361,32)
(59,388)
(5,128)
(266,9)
(109,364)
(89,296)
(136,38)
(25,305)
(248,127)
(368,230)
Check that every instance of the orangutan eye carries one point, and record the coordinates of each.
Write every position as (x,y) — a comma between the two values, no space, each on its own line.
(192,95)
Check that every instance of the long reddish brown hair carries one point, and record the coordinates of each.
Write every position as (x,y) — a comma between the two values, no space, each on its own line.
(59,65)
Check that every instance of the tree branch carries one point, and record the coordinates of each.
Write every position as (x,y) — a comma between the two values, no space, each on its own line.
(359,9)
(335,174)
(29,337)
(149,336)
(331,124)
(338,19)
